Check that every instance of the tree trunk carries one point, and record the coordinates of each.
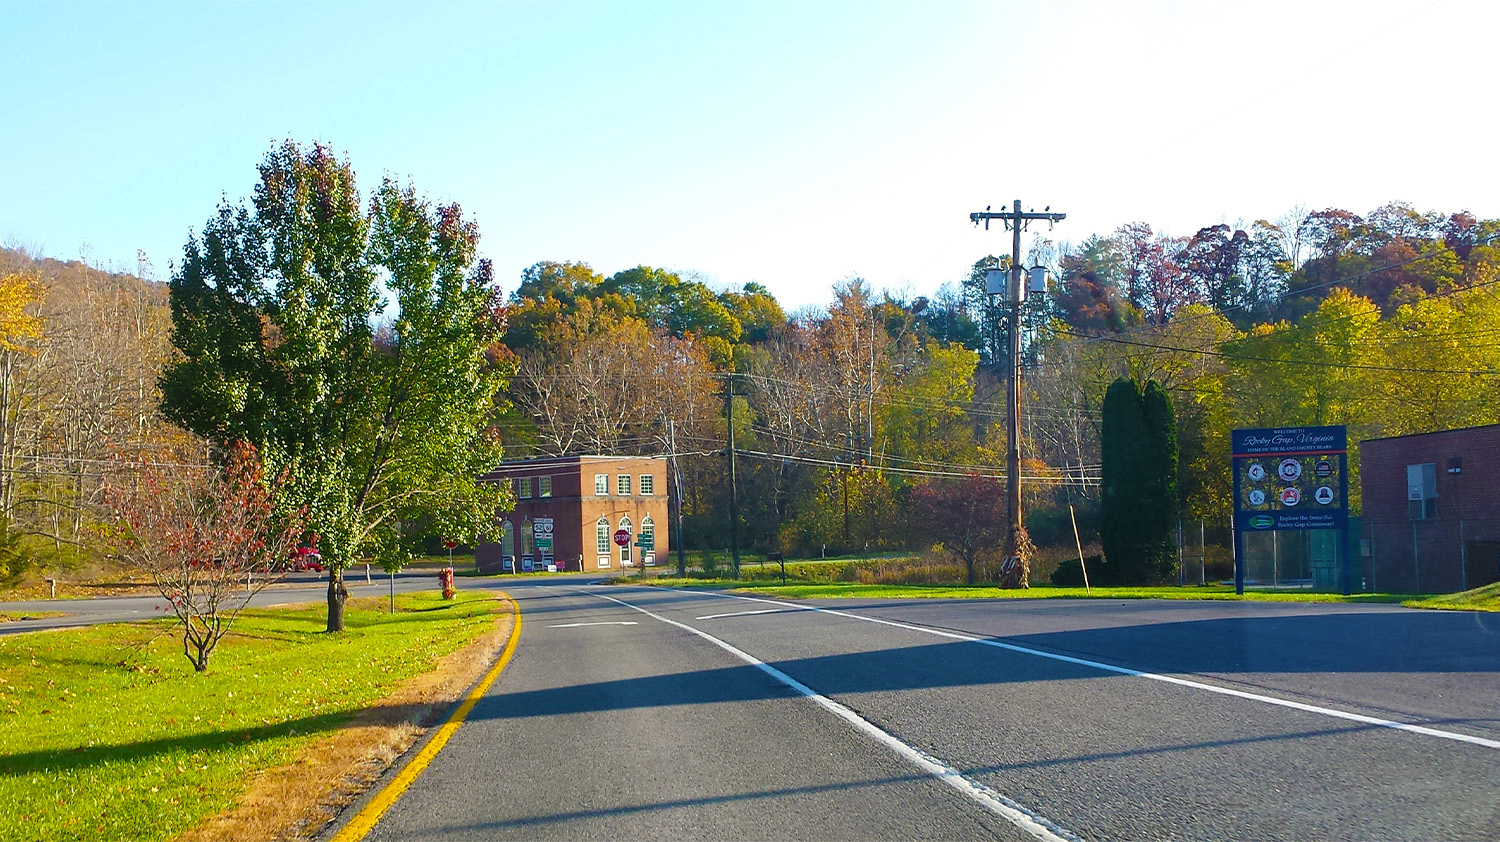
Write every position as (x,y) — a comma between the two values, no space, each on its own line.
(337,596)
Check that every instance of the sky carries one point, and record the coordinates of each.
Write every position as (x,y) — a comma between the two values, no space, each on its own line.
(794,144)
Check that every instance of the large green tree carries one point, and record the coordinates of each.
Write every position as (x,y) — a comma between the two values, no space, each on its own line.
(381,420)
(1139,493)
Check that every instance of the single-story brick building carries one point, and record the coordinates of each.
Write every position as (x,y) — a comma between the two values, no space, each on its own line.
(1431,514)
(568,509)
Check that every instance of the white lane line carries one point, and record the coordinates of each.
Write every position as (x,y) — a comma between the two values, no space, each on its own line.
(602,623)
(747,613)
(991,800)
(1167,679)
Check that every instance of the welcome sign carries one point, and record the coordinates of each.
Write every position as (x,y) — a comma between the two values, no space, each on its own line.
(1289,478)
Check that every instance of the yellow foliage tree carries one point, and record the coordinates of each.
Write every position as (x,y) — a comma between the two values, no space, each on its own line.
(18,291)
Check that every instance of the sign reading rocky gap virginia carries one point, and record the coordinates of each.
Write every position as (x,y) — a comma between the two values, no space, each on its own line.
(1289,478)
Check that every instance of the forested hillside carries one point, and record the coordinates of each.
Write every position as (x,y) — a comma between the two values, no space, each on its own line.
(80,391)
(1386,322)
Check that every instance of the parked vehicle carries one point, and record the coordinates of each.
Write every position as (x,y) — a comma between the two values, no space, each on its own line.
(306,558)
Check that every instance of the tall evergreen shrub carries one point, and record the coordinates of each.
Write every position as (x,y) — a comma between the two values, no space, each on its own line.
(1139,502)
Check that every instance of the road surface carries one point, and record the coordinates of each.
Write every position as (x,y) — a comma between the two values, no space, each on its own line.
(295,588)
(642,713)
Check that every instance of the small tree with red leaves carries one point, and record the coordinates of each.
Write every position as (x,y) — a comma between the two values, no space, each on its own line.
(967,515)
(208,538)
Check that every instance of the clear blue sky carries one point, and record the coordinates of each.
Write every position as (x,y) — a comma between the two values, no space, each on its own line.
(790,143)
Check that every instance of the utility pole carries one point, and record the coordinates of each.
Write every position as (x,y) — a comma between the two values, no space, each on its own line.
(870,399)
(676,496)
(734,498)
(1017,543)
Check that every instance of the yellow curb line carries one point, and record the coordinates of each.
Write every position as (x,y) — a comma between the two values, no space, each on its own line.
(363,823)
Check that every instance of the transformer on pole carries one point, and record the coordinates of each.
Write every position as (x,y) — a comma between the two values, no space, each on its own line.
(1015,282)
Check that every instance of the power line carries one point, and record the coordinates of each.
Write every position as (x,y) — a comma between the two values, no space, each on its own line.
(1044,479)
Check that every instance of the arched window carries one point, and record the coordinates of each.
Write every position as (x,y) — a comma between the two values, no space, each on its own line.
(625,550)
(526,537)
(648,532)
(601,536)
(507,538)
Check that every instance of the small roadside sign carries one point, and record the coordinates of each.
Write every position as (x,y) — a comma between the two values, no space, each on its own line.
(622,537)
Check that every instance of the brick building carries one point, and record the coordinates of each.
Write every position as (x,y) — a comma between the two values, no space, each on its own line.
(568,509)
(1431,514)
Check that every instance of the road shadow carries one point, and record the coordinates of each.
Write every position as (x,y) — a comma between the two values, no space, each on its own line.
(1240,648)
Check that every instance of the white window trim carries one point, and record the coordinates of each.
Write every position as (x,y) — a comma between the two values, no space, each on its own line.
(606,536)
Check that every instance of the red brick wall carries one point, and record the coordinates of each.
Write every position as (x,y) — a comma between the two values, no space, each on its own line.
(575,508)
(1456,547)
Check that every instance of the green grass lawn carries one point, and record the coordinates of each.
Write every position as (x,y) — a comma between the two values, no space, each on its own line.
(815,590)
(107,733)
(1485,598)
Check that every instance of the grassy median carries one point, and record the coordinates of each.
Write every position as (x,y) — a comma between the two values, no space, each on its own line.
(107,733)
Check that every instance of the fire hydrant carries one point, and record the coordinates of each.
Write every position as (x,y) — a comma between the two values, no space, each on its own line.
(445,578)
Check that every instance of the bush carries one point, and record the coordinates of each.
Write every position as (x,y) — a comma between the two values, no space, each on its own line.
(16,560)
(1069,574)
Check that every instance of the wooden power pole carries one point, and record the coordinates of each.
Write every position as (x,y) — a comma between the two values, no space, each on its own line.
(1017,543)
(734,499)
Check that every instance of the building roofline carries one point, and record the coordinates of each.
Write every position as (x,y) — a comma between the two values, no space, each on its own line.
(1432,433)
(576,459)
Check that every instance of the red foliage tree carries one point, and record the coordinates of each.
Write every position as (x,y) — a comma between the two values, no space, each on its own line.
(208,538)
(967,515)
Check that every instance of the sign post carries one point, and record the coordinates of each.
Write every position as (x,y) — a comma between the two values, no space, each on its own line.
(1291,478)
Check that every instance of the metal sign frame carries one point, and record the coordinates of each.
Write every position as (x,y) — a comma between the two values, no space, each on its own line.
(1290,478)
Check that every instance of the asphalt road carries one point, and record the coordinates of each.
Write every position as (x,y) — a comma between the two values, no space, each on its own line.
(294,588)
(1100,720)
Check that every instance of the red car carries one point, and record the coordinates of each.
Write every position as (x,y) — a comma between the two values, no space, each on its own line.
(306,558)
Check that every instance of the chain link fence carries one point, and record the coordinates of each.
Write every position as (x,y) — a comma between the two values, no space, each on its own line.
(1439,555)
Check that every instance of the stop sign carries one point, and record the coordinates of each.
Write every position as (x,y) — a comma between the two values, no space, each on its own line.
(622,537)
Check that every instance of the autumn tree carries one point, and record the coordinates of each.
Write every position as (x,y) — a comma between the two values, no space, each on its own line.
(19,291)
(274,311)
(1441,365)
(208,538)
(967,516)
(1089,298)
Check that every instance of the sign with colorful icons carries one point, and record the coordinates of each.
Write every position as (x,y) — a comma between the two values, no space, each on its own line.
(1296,475)
(1289,478)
